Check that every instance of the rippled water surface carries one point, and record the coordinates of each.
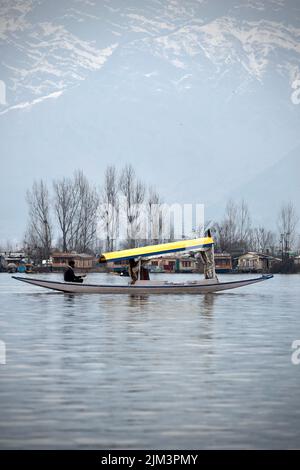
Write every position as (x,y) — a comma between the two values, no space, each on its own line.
(175,372)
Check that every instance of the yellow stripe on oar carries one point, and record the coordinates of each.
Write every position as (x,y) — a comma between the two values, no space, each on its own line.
(161,249)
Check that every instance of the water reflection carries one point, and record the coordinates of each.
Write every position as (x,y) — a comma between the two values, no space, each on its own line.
(139,301)
(92,371)
(207,305)
(69,300)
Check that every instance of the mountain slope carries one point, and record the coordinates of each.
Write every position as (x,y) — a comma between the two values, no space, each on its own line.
(46,50)
(265,194)
(195,94)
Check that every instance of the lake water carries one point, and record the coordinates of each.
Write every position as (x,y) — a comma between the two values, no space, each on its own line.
(173,372)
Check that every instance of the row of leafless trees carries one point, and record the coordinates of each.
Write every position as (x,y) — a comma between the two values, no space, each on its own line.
(75,211)
(236,232)
(123,200)
(73,206)
(76,216)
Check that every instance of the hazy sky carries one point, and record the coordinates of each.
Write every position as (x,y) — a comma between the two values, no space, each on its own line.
(200,96)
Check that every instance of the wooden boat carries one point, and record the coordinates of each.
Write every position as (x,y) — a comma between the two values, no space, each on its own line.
(141,287)
(144,287)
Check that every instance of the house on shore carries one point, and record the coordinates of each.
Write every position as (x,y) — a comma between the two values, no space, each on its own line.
(253,262)
(174,264)
(161,264)
(3,263)
(11,261)
(297,260)
(223,262)
(120,266)
(13,256)
(189,264)
(82,261)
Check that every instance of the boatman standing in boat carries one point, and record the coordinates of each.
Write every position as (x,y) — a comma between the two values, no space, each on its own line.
(69,275)
(138,271)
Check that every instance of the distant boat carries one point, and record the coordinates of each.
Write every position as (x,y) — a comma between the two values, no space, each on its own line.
(138,286)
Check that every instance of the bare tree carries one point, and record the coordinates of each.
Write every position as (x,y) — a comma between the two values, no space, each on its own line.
(287,224)
(226,231)
(84,225)
(233,233)
(66,203)
(154,216)
(76,205)
(39,231)
(109,208)
(133,191)
(243,225)
(262,240)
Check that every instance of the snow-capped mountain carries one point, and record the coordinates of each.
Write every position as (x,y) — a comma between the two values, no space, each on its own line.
(195,93)
(48,48)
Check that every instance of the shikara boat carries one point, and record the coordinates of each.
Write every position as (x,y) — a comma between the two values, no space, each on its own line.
(138,286)
(143,287)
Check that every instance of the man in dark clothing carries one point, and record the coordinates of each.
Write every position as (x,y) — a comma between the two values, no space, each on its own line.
(69,275)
